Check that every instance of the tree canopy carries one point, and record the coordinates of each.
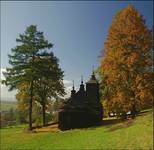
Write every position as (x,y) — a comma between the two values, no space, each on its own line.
(33,62)
(125,67)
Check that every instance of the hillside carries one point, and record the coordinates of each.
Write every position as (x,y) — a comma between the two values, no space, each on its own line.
(131,134)
(6,105)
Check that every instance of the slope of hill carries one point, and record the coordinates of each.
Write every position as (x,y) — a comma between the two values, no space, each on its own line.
(131,134)
(6,105)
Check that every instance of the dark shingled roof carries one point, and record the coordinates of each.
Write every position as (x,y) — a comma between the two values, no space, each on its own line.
(92,80)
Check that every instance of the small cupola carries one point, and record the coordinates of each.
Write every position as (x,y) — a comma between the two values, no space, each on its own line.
(81,85)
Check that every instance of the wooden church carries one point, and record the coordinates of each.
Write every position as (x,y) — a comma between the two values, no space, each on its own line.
(83,108)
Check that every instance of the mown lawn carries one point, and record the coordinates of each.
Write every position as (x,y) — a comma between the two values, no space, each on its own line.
(136,134)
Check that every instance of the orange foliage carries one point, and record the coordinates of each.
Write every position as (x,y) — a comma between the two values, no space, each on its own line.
(23,97)
(127,62)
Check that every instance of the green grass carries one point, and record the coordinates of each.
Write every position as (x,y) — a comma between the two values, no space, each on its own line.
(6,105)
(136,134)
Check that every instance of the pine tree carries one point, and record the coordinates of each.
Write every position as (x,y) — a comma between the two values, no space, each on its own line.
(31,44)
(50,82)
(126,65)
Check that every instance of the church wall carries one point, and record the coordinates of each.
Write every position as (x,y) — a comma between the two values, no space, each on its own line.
(92,92)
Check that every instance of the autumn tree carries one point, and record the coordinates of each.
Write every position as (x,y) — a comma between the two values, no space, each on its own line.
(30,44)
(125,67)
(22,98)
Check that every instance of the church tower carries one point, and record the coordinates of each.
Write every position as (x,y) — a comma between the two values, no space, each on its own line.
(92,88)
(73,90)
(81,85)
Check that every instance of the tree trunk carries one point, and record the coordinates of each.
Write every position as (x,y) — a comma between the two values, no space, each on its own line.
(133,111)
(43,111)
(30,106)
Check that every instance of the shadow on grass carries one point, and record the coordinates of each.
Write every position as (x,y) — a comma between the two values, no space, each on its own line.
(111,124)
(115,124)
(144,112)
(41,126)
(107,123)
(47,128)
(120,125)
(111,121)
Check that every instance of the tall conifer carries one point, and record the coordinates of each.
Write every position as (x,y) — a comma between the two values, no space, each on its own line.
(31,44)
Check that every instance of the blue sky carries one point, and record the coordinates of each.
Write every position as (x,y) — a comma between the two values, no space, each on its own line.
(77,29)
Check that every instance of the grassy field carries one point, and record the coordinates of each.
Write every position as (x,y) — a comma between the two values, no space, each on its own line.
(132,134)
(6,105)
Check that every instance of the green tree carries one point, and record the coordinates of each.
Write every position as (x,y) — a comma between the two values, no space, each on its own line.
(126,63)
(31,44)
(50,82)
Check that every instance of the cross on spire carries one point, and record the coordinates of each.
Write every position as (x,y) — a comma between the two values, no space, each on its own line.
(73,90)
(81,79)
(73,84)
(93,73)
(93,68)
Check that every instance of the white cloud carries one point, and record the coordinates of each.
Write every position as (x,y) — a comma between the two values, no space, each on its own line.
(67,82)
(2,76)
(68,87)
(5,94)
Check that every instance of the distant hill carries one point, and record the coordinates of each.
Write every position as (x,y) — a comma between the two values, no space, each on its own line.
(6,105)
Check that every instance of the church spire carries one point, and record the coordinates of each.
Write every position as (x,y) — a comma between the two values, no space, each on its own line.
(81,85)
(73,90)
(81,79)
(93,69)
(73,84)
(93,74)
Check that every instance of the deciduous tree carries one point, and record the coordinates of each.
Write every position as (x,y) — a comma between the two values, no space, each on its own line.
(126,63)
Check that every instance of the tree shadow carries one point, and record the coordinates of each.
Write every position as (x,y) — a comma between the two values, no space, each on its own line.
(104,123)
(111,121)
(41,126)
(143,112)
(118,124)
